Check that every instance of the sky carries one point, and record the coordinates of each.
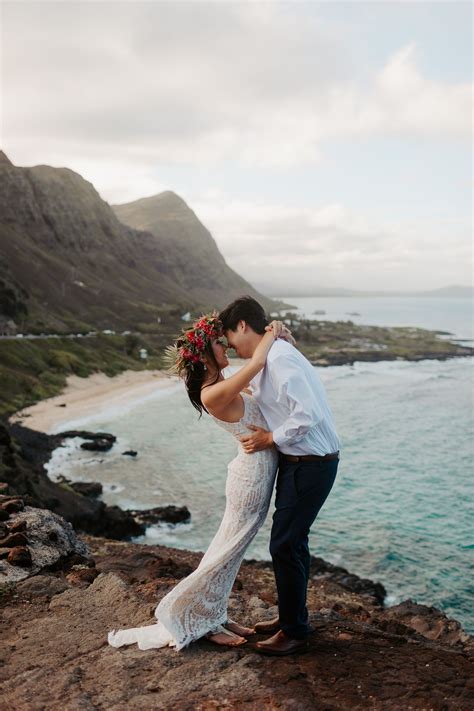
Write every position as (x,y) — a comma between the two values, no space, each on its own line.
(323,144)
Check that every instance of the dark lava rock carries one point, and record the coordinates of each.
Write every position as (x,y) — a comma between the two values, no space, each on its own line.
(85,434)
(26,477)
(121,524)
(12,506)
(131,453)
(162,514)
(322,569)
(17,527)
(87,488)
(97,445)
(21,556)
(14,539)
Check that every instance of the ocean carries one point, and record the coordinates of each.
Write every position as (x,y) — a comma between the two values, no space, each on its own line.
(401,509)
(455,315)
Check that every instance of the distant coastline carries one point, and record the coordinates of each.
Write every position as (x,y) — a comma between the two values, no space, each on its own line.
(451,292)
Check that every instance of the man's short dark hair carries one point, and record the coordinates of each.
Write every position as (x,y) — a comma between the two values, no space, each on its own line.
(244,309)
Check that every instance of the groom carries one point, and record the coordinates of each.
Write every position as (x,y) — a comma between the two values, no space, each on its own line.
(293,402)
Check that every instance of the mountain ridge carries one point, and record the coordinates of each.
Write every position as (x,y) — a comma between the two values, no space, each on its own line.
(191,248)
(68,262)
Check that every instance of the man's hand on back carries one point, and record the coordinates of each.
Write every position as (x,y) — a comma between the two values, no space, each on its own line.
(262,439)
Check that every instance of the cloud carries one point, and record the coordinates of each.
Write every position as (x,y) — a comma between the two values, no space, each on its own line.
(288,247)
(262,84)
(126,93)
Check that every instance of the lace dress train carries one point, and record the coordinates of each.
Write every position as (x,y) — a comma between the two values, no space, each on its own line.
(198,604)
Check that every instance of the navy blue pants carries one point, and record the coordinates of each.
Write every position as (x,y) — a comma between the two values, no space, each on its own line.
(302,489)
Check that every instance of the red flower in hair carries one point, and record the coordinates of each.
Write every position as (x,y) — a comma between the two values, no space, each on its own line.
(190,346)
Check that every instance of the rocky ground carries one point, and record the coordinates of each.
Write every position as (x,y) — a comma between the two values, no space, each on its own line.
(362,656)
(23,453)
(61,593)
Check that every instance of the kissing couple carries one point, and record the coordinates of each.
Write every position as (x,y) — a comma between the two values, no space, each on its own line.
(276,408)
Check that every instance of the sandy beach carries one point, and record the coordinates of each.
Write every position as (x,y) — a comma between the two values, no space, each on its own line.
(83,397)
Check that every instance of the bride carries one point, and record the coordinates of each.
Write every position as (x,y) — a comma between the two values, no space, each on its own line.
(197,606)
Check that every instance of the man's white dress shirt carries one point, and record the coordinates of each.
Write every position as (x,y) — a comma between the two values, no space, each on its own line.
(293,401)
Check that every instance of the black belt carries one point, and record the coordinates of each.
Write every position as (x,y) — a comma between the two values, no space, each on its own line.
(309,457)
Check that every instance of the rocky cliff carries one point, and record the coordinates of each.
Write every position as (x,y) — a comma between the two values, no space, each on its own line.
(23,453)
(192,256)
(67,262)
(361,655)
(60,595)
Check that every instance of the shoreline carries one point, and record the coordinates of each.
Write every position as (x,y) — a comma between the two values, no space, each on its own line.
(127,391)
(95,394)
(99,393)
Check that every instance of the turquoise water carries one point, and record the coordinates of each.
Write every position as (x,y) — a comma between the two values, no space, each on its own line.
(401,508)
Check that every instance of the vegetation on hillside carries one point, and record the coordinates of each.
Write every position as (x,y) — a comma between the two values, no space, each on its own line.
(31,370)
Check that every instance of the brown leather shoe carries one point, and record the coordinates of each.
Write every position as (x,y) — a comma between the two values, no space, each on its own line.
(280,645)
(268,627)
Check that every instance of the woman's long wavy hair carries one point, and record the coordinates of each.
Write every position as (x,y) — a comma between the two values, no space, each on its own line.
(195,377)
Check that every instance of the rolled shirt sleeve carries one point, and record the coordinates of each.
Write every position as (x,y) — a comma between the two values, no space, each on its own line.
(296,397)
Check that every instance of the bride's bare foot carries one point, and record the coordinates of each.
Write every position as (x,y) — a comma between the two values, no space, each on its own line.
(239,629)
(226,640)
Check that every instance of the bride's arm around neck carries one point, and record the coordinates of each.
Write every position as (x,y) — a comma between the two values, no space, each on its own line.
(224,391)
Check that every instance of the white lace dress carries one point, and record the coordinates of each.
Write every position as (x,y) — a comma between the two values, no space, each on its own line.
(198,604)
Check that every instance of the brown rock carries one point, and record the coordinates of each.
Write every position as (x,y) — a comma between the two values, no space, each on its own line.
(87,488)
(42,586)
(4,498)
(21,556)
(13,506)
(371,671)
(427,621)
(351,664)
(345,636)
(82,577)
(14,539)
(168,514)
(4,515)
(17,527)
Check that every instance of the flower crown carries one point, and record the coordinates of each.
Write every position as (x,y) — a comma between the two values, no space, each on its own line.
(189,348)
